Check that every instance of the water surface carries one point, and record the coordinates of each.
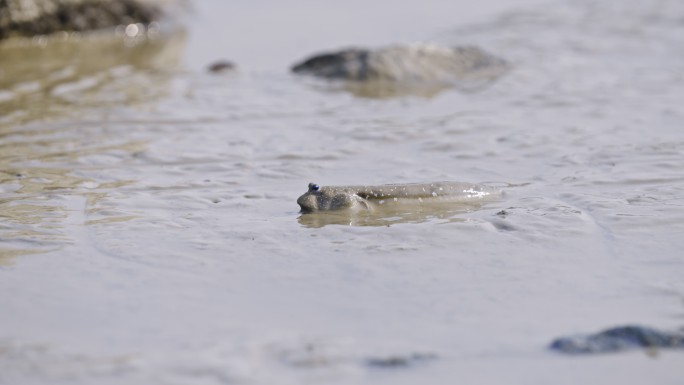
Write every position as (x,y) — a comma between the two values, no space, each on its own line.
(150,232)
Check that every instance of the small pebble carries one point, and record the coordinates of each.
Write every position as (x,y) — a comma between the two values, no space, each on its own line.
(221,66)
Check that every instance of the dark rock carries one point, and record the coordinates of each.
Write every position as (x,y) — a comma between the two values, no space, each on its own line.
(221,66)
(41,17)
(350,64)
(415,62)
(617,339)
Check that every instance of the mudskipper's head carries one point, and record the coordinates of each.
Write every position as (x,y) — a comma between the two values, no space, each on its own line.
(309,200)
(324,198)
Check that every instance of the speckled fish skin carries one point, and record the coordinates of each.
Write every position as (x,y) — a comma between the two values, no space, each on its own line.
(325,198)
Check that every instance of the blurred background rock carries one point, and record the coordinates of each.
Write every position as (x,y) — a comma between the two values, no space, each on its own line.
(57,55)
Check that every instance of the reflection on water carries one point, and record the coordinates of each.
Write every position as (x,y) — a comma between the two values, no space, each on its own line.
(65,73)
(7,255)
(391,214)
(34,210)
(69,75)
(378,89)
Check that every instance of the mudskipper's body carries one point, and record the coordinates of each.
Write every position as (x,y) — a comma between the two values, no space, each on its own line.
(322,198)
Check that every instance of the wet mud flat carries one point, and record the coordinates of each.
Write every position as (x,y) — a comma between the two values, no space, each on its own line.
(150,231)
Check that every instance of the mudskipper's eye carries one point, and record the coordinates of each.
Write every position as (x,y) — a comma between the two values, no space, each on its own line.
(314,187)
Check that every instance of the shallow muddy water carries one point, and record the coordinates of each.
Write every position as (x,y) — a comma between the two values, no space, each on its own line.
(150,233)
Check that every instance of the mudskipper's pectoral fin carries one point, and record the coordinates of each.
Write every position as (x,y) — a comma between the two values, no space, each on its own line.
(364,203)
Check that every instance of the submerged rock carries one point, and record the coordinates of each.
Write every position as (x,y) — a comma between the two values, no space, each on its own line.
(41,17)
(400,361)
(617,339)
(416,65)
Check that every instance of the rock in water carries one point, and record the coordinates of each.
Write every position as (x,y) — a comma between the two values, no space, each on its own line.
(617,339)
(41,17)
(407,65)
(221,66)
